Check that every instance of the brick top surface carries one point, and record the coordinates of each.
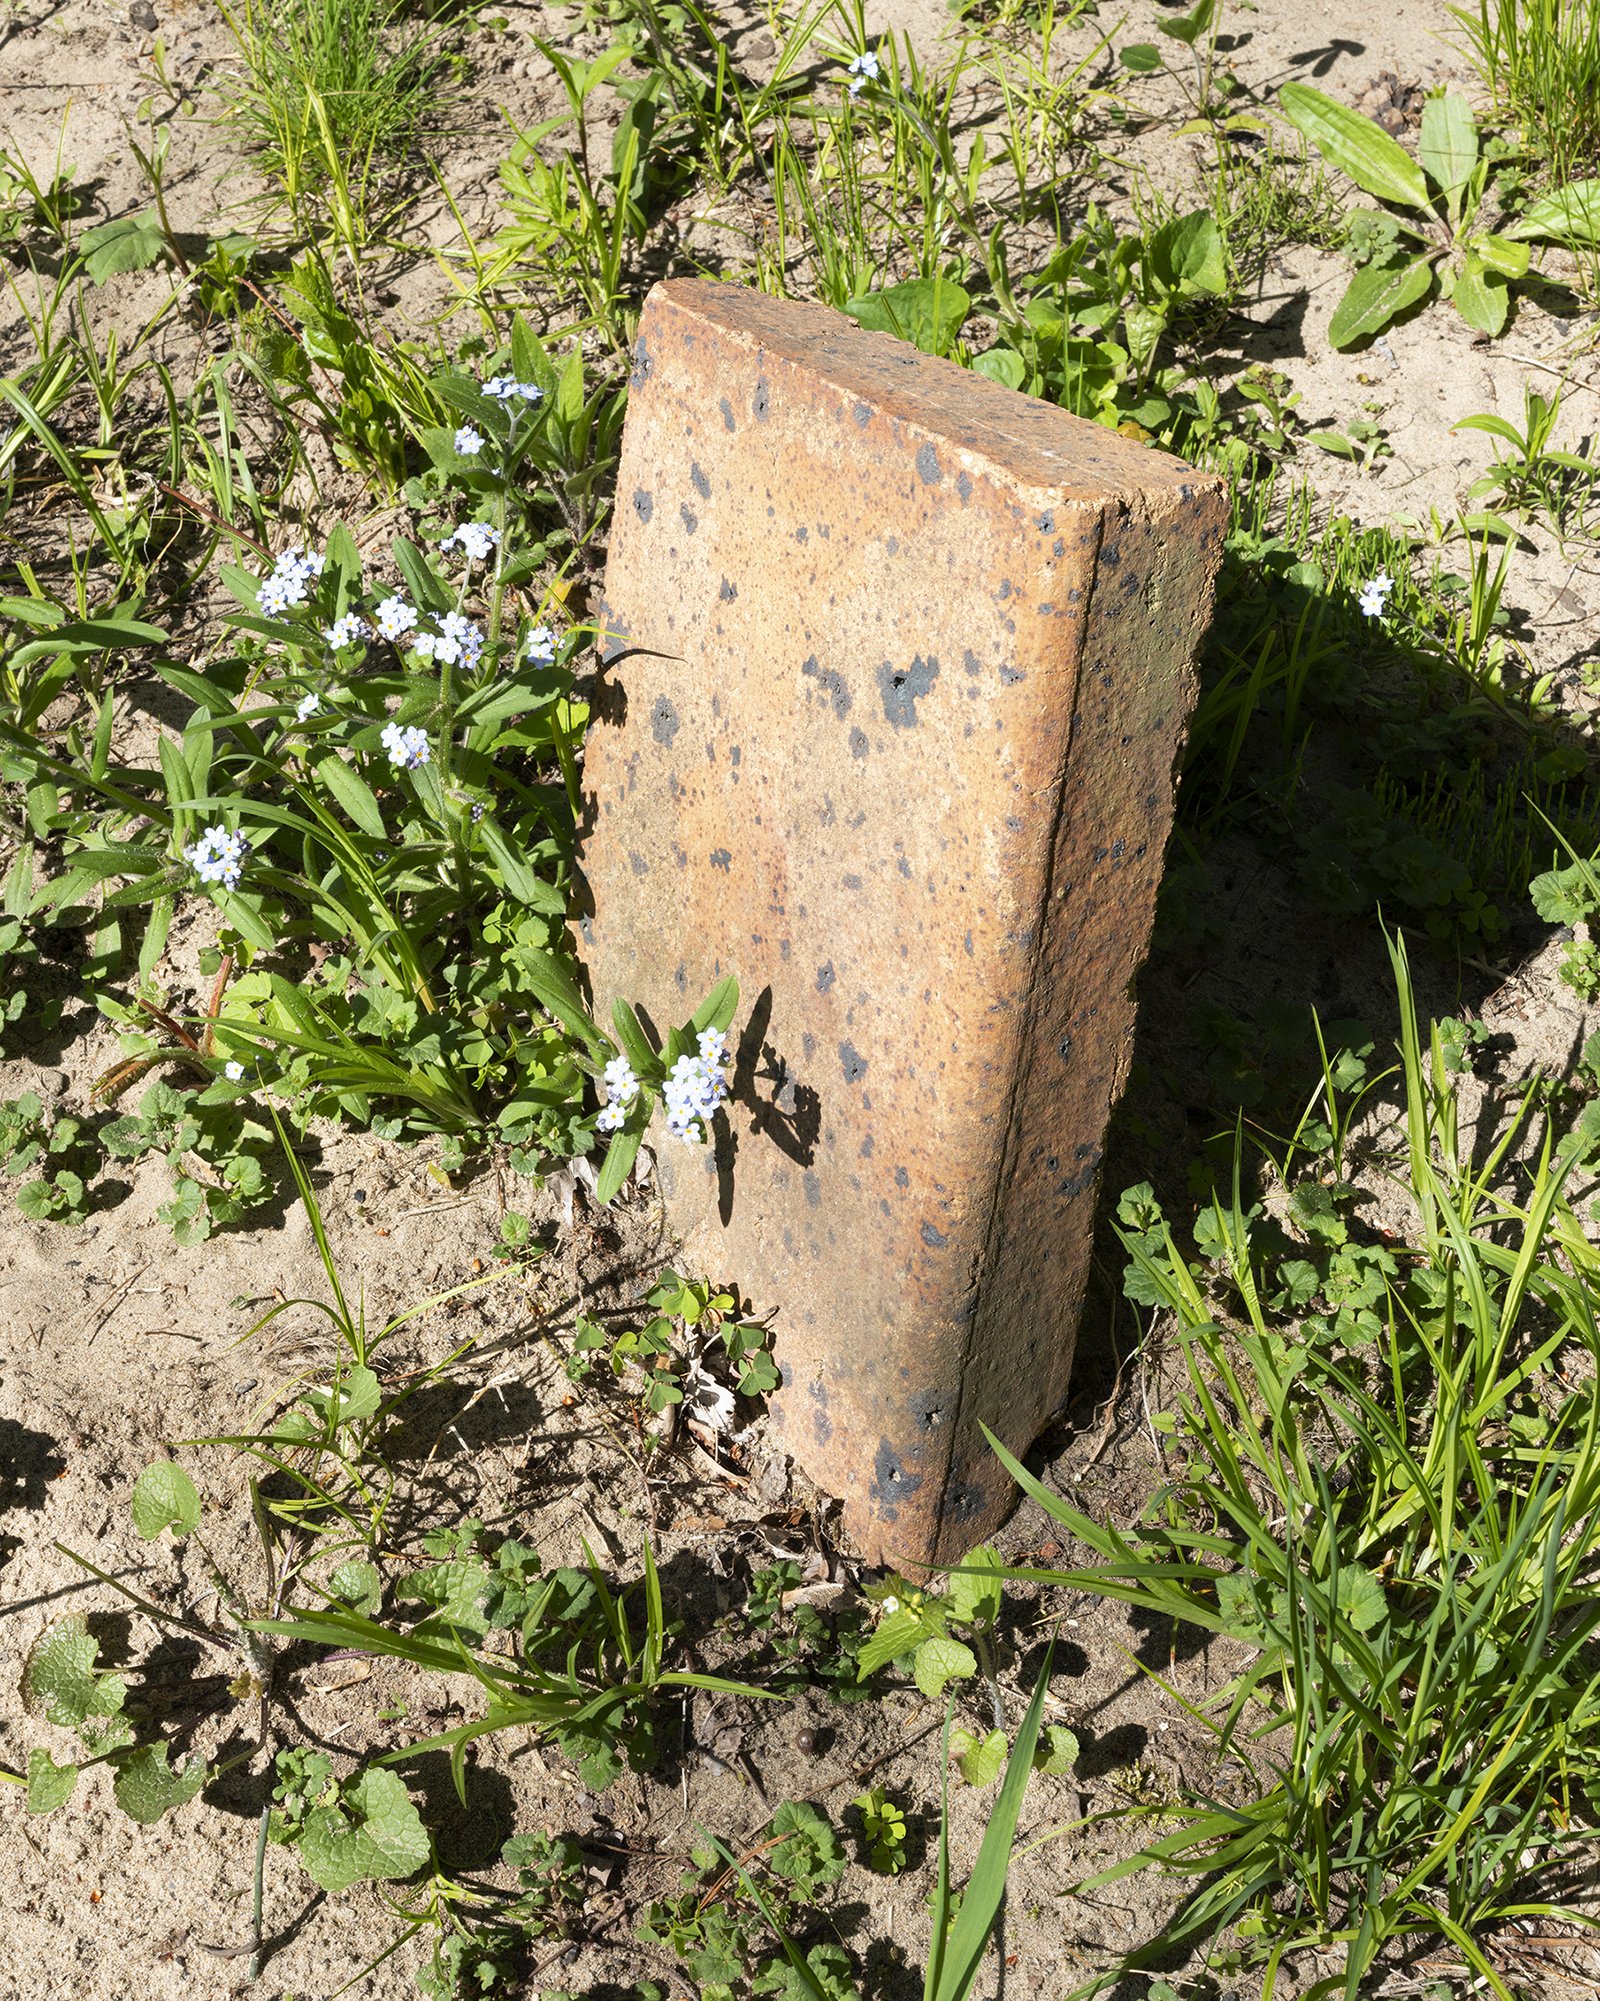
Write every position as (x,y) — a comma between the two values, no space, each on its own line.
(1028,441)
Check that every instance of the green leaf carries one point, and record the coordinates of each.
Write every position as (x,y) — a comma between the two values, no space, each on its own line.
(373,1834)
(131,243)
(809,1854)
(928,312)
(980,1758)
(1141,58)
(165,1497)
(353,793)
(1570,214)
(1376,296)
(49,1784)
(1191,26)
(1058,1753)
(58,1677)
(1482,297)
(145,1789)
(896,1635)
(1001,364)
(940,1660)
(1187,254)
(620,1156)
(1449,145)
(1502,255)
(1355,145)
(357,1585)
(973,1597)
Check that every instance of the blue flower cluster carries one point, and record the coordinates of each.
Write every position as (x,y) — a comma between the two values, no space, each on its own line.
(504,387)
(406,744)
(475,539)
(696,1086)
(285,585)
(394,618)
(541,647)
(218,856)
(622,1089)
(346,631)
(457,641)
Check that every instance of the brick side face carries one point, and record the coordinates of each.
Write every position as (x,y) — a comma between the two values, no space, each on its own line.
(902,666)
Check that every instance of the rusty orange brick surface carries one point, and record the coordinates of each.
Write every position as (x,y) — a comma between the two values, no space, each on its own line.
(898,667)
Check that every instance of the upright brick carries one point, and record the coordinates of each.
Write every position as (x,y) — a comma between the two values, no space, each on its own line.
(899,666)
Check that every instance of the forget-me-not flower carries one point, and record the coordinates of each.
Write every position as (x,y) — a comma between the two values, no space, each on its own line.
(234,1072)
(345,631)
(622,1089)
(504,387)
(541,647)
(469,442)
(406,744)
(394,618)
(218,857)
(1375,594)
(861,70)
(307,707)
(475,539)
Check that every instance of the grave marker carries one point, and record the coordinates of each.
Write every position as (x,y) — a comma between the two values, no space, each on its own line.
(899,666)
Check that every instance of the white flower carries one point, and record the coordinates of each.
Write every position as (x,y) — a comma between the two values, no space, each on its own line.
(541,647)
(458,640)
(475,539)
(1375,594)
(307,707)
(407,745)
(425,644)
(889,1606)
(862,70)
(394,618)
(218,856)
(345,631)
(469,442)
(278,593)
(233,1072)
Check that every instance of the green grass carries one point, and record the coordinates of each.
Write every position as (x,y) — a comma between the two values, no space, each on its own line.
(1540,61)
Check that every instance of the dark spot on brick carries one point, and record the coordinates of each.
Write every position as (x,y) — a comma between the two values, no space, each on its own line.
(971,662)
(905,868)
(762,401)
(663,721)
(735,754)
(963,486)
(901,1178)
(691,520)
(851,881)
(862,414)
(1011,675)
(832,683)
(928,467)
(866,1147)
(1047,523)
(727,592)
(698,480)
(1058,548)
(891,1484)
(967,942)
(858,743)
(637,862)
(1064,1048)
(934,1239)
(643,505)
(891,545)
(825,977)
(808,1045)
(903,687)
(727,415)
(1013,824)
(813,1188)
(642,363)
(802,533)
(852,1063)
(721,859)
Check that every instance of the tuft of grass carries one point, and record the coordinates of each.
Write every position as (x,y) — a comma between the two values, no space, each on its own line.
(1384,1482)
(334,90)
(1540,59)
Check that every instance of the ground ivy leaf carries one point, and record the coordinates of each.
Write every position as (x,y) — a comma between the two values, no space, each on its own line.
(145,1789)
(374,1834)
(59,1681)
(49,1784)
(941,1660)
(980,1758)
(164,1497)
(1057,1750)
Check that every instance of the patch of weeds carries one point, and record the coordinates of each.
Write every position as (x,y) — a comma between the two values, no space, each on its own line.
(1540,61)
(57,1151)
(694,1352)
(1432,236)
(1533,479)
(806,1645)
(1388,1495)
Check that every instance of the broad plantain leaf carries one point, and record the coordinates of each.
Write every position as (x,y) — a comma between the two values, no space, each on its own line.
(1377,295)
(1355,145)
(1482,296)
(1569,214)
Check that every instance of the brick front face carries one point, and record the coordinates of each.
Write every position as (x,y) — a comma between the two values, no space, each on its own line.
(898,667)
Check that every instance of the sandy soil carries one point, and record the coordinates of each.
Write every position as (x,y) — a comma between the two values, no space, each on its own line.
(115,1345)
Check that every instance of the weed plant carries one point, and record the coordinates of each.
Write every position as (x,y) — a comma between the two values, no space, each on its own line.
(1382,1477)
